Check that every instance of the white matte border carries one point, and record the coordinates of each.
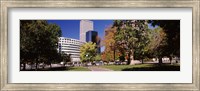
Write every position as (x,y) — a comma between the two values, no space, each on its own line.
(182,14)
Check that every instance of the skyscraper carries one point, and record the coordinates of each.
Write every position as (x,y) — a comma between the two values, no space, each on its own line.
(92,36)
(85,26)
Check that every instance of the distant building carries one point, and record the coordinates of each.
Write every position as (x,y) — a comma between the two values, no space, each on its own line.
(85,26)
(70,46)
(92,36)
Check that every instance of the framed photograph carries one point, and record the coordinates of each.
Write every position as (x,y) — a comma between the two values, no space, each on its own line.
(99,45)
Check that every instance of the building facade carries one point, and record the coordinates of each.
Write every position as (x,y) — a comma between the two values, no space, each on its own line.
(70,46)
(85,25)
(92,36)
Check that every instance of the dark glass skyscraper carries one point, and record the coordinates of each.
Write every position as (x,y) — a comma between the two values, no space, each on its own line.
(91,36)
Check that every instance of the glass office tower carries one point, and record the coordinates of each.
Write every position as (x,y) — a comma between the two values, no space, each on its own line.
(91,36)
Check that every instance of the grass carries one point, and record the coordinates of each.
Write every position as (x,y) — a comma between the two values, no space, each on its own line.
(78,69)
(138,67)
(143,67)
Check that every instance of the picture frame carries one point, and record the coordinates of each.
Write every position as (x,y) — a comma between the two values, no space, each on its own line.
(6,4)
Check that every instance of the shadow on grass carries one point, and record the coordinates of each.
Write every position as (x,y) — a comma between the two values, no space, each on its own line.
(155,67)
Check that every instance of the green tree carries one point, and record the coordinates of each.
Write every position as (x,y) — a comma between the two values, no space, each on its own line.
(130,36)
(157,41)
(38,41)
(172,31)
(142,50)
(88,51)
(98,57)
(66,58)
(26,43)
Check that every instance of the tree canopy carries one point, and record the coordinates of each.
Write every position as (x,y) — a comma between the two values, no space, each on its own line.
(172,30)
(131,35)
(38,41)
(88,51)
(157,41)
(110,45)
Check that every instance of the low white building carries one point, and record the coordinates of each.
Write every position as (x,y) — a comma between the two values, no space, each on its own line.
(70,46)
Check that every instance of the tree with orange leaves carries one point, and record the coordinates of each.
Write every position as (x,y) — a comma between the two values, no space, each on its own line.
(110,47)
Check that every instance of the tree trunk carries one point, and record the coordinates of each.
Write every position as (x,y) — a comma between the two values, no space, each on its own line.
(50,65)
(142,61)
(132,58)
(170,59)
(129,59)
(160,60)
(43,65)
(36,66)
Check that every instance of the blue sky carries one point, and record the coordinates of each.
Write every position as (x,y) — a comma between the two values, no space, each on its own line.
(71,28)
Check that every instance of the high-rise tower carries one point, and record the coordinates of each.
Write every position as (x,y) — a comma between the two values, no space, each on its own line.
(85,26)
(92,36)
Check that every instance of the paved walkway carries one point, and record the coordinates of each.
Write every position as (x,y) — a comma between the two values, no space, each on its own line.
(98,69)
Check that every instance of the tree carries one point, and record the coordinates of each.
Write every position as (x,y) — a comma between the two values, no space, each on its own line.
(88,51)
(37,37)
(172,31)
(66,58)
(98,57)
(26,43)
(142,50)
(110,52)
(157,38)
(130,35)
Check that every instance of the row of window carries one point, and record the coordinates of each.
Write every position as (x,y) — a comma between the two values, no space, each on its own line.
(70,42)
(71,50)
(70,47)
(67,44)
(61,39)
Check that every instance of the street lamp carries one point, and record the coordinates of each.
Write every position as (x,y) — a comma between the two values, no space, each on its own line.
(86,55)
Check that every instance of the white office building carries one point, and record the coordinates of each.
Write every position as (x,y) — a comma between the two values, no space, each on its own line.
(85,26)
(70,46)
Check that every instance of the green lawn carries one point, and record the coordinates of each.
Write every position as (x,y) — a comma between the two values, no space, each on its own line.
(143,67)
(138,67)
(78,69)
